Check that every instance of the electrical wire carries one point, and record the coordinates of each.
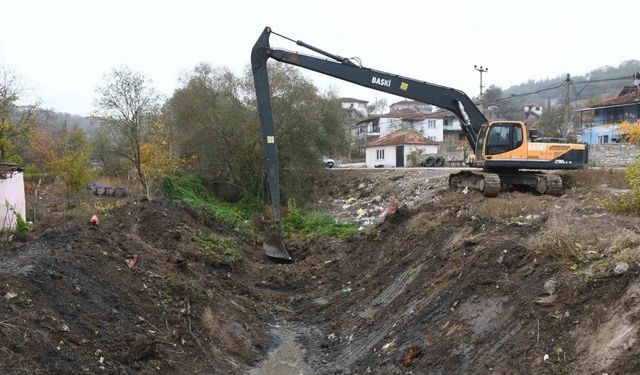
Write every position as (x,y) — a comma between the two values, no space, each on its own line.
(513,96)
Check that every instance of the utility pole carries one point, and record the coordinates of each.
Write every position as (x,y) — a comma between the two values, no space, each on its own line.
(481,70)
(567,106)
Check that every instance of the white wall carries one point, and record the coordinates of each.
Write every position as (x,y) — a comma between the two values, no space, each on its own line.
(11,192)
(435,133)
(358,107)
(390,154)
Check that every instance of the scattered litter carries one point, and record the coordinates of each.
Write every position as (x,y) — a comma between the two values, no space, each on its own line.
(10,295)
(64,328)
(546,357)
(388,345)
(94,220)
(621,268)
(132,260)
(548,300)
(550,286)
(411,354)
(346,290)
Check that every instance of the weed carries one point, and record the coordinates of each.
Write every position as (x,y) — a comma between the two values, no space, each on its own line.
(595,177)
(198,292)
(627,203)
(560,243)
(168,282)
(511,207)
(190,190)
(304,224)
(224,249)
(21,225)
(24,298)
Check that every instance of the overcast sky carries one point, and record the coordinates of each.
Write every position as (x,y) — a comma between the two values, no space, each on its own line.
(62,48)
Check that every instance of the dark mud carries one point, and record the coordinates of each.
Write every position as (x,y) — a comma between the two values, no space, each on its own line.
(434,289)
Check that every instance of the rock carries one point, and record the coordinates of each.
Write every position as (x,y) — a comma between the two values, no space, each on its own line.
(376,199)
(621,268)
(550,286)
(547,301)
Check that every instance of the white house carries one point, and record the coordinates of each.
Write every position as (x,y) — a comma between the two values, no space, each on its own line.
(429,125)
(392,150)
(11,195)
(355,106)
(411,105)
(532,110)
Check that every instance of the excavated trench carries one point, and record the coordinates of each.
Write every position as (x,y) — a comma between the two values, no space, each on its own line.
(436,288)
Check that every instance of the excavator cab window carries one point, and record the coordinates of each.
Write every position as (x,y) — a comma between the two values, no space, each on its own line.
(503,138)
(480,143)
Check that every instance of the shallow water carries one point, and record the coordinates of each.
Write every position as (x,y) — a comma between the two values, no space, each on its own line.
(286,359)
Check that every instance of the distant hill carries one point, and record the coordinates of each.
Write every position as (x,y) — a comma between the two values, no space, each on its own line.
(51,118)
(581,90)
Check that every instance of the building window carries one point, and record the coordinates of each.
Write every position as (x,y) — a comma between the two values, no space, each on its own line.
(431,124)
(380,154)
(603,139)
(431,138)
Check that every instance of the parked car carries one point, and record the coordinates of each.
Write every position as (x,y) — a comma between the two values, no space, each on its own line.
(328,163)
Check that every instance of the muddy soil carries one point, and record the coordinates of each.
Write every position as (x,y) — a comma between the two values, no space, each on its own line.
(451,283)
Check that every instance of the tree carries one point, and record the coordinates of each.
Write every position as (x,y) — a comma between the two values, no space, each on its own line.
(129,103)
(212,118)
(491,94)
(309,124)
(377,107)
(74,172)
(14,124)
(157,155)
(551,122)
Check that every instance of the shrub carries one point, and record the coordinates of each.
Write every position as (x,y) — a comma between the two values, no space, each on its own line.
(301,224)
(224,249)
(190,190)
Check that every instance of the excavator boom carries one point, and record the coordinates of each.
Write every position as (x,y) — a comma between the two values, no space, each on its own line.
(512,137)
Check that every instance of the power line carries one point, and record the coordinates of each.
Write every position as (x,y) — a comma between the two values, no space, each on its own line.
(513,96)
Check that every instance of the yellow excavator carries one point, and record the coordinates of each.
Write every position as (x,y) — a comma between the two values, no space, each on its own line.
(505,152)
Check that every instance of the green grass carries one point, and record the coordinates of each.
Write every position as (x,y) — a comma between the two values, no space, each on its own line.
(224,249)
(168,282)
(190,190)
(303,224)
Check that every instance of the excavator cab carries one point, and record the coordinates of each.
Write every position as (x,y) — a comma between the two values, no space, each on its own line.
(502,140)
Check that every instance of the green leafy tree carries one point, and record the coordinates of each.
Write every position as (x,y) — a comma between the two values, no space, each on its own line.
(129,103)
(14,125)
(74,172)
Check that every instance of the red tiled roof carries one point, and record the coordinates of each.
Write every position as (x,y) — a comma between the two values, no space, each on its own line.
(402,137)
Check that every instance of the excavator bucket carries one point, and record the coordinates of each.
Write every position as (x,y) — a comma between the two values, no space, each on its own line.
(274,247)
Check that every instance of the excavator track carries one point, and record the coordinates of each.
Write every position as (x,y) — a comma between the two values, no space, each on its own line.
(554,184)
(490,184)
(486,182)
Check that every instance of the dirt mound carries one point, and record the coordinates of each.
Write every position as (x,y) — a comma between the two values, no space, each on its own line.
(79,307)
(451,282)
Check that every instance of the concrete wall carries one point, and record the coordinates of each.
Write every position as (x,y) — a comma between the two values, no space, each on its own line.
(613,155)
(11,198)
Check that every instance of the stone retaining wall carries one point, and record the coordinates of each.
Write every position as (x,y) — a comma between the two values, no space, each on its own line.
(613,155)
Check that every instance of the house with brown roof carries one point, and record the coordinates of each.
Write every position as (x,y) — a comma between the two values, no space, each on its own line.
(609,114)
(392,149)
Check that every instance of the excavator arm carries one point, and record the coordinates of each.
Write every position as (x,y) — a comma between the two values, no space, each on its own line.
(456,101)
